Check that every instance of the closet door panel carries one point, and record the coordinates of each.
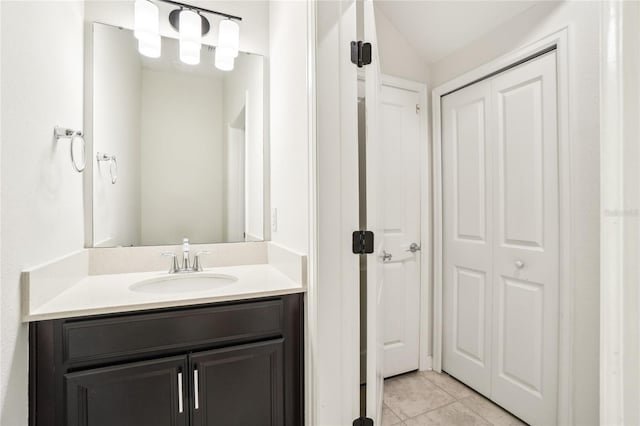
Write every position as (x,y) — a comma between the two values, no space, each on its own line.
(520,144)
(468,236)
(500,237)
(526,254)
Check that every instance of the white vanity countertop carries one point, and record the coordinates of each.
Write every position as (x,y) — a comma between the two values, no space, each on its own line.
(102,294)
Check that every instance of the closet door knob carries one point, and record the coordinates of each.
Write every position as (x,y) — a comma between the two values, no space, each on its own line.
(519,264)
(414,247)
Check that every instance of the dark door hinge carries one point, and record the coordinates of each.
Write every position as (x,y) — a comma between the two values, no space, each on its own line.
(362,242)
(363,421)
(360,53)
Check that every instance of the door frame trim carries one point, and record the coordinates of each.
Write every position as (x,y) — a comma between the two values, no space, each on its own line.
(425,213)
(311,303)
(559,39)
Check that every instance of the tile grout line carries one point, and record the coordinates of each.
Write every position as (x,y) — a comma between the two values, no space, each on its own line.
(429,411)
(394,413)
(446,405)
(440,387)
(473,392)
(436,408)
(478,414)
(419,374)
(455,399)
(476,393)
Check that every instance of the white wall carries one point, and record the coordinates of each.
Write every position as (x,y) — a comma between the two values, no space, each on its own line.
(620,222)
(181,167)
(583,21)
(244,89)
(289,124)
(630,162)
(2,372)
(397,57)
(117,82)
(42,74)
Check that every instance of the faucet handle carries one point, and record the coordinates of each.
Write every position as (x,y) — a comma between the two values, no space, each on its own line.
(197,264)
(174,267)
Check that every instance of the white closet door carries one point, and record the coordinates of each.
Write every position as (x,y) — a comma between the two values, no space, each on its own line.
(526,255)
(467,235)
(401,152)
(501,245)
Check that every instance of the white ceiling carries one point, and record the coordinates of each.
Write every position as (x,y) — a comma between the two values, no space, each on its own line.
(437,28)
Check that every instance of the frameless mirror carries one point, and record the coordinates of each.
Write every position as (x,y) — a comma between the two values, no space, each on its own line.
(178,150)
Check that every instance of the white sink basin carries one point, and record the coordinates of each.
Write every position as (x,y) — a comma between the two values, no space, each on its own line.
(183,283)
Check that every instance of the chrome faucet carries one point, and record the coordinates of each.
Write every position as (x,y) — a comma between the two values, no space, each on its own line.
(186,260)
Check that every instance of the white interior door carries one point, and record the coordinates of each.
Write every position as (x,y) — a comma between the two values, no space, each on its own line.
(526,257)
(375,222)
(501,245)
(401,185)
(467,236)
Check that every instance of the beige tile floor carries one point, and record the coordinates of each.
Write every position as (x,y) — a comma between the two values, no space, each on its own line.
(426,398)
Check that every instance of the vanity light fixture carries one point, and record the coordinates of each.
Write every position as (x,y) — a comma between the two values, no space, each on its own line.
(223,62)
(146,28)
(228,44)
(191,26)
(190,37)
(229,38)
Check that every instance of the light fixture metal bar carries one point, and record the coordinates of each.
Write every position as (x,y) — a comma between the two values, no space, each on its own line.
(188,6)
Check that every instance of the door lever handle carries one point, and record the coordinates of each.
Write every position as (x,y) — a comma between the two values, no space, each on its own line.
(414,247)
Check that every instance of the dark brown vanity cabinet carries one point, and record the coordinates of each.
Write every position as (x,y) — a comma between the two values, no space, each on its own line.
(224,364)
(141,393)
(239,385)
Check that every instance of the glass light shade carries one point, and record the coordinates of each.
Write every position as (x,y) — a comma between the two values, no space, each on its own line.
(150,46)
(224,62)
(190,37)
(229,37)
(146,20)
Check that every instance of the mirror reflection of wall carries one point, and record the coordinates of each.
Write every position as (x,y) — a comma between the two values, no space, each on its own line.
(189,143)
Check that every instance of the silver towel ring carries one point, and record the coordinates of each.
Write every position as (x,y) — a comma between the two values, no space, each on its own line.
(79,167)
(113,165)
(113,170)
(76,137)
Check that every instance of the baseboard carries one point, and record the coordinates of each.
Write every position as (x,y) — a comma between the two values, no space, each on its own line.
(426,363)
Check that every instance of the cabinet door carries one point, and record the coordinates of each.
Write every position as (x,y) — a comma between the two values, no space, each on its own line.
(239,386)
(149,393)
